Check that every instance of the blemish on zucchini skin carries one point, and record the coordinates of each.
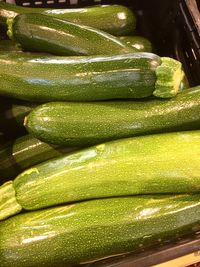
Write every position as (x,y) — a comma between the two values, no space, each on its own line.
(30,171)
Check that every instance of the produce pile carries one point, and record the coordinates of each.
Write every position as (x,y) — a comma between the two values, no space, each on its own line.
(100,139)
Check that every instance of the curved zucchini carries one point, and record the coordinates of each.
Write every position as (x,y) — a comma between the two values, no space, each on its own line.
(92,123)
(42,33)
(144,165)
(89,231)
(12,117)
(114,19)
(138,42)
(24,152)
(45,78)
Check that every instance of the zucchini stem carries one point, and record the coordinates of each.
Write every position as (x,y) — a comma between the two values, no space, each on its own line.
(8,202)
(169,78)
(9,22)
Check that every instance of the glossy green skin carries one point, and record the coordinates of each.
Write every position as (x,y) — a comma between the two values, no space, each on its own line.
(138,42)
(24,152)
(114,19)
(140,165)
(92,230)
(84,78)
(8,45)
(42,33)
(12,116)
(93,123)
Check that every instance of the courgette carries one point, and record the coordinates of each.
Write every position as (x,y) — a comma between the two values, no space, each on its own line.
(42,33)
(24,152)
(140,43)
(142,165)
(114,19)
(92,230)
(12,116)
(92,123)
(45,78)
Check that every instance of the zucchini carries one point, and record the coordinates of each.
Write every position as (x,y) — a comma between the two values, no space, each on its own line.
(92,123)
(118,168)
(45,78)
(8,45)
(12,116)
(92,230)
(24,152)
(114,19)
(42,33)
(140,43)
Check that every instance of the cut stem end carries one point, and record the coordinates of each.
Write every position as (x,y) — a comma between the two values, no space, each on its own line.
(169,78)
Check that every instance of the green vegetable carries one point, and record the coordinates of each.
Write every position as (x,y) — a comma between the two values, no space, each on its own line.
(138,42)
(12,116)
(168,78)
(92,123)
(114,19)
(152,164)
(42,33)
(88,231)
(45,78)
(24,152)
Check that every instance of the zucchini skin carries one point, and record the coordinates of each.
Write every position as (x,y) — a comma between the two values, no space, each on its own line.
(140,43)
(12,117)
(93,123)
(88,174)
(41,33)
(92,230)
(45,78)
(114,19)
(24,152)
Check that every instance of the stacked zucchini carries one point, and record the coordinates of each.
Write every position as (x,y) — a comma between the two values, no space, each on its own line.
(103,153)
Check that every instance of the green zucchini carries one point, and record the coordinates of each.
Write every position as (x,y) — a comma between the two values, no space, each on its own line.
(8,45)
(114,19)
(92,230)
(12,116)
(140,43)
(42,33)
(142,165)
(45,78)
(92,123)
(24,152)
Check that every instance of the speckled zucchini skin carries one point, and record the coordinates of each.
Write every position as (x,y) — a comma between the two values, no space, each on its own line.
(114,19)
(24,152)
(42,33)
(92,123)
(89,231)
(141,165)
(45,78)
